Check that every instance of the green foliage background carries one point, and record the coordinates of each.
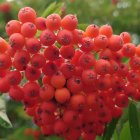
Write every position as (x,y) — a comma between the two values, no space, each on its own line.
(123,16)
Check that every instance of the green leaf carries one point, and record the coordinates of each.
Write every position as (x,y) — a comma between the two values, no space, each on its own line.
(110,129)
(4,121)
(134,123)
(125,132)
(82,26)
(53,8)
(122,121)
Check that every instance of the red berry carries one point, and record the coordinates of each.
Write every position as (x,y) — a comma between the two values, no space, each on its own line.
(53,22)
(13,26)
(69,22)
(47,37)
(27,14)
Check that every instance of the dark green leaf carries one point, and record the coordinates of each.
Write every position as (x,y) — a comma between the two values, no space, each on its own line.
(110,129)
(134,123)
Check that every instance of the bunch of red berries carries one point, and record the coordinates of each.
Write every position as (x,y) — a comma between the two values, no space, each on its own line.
(71,82)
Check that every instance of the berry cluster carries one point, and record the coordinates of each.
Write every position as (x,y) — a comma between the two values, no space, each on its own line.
(71,82)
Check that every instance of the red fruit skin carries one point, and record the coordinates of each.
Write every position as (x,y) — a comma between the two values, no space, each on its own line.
(92,31)
(28,29)
(115,43)
(69,22)
(40,23)
(17,41)
(4,85)
(67,52)
(33,45)
(121,100)
(13,26)
(47,92)
(64,37)
(62,95)
(47,37)
(75,85)
(53,22)
(16,93)
(5,61)
(51,53)
(126,37)
(27,14)
(106,30)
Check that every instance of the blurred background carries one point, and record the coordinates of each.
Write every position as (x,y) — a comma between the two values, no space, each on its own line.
(122,15)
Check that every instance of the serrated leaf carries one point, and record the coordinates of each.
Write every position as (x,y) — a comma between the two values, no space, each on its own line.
(4,120)
(133,121)
(110,129)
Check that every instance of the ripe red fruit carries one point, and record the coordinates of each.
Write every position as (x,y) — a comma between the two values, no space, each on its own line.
(38,60)
(106,30)
(77,102)
(14,77)
(101,42)
(51,53)
(21,59)
(69,116)
(89,77)
(77,36)
(17,41)
(62,95)
(75,85)
(32,73)
(13,26)
(28,29)
(27,14)
(64,37)
(33,45)
(135,63)
(16,93)
(102,67)
(40,23)
(92,31)
(115,43)
(86,60)
(128,49)
(58,80)
(87,45)
(126,37)
(69,22)
(4,85)
(5,61)
(121,100)
(59,127)
(49,68)
(53,22)
(47,37)
(47,92)
(67,52)
(31,90)
(67,69)
(106,54)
